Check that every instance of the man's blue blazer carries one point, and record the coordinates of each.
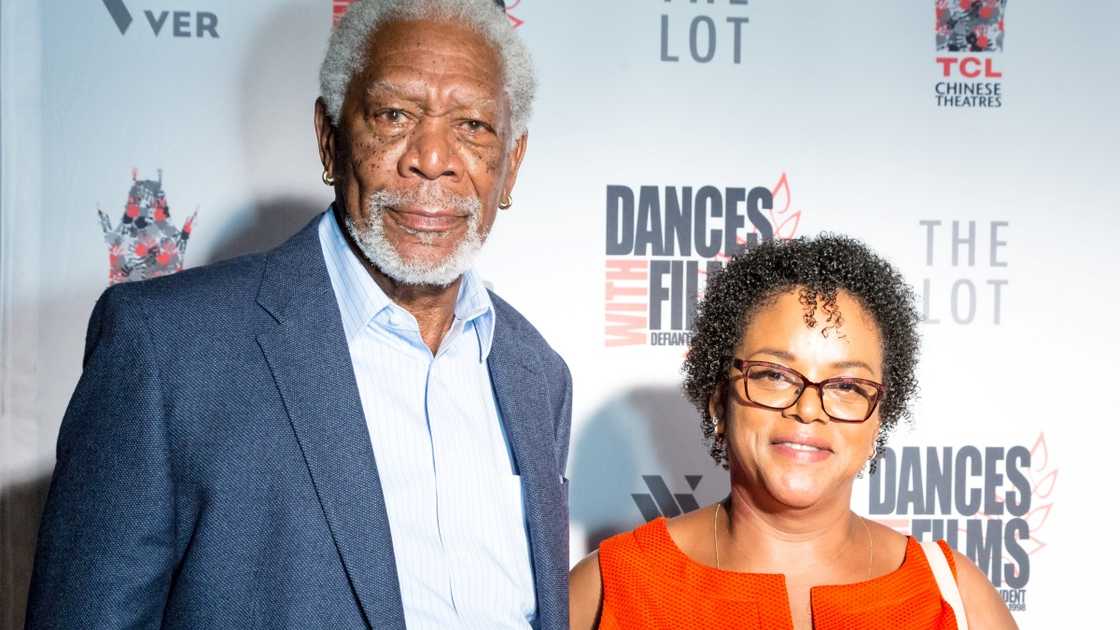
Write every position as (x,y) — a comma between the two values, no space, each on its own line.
(215,469)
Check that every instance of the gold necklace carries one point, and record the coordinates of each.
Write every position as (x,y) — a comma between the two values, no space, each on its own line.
(870,540)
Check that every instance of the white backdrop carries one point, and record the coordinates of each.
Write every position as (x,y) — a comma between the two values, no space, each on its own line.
(1002,216)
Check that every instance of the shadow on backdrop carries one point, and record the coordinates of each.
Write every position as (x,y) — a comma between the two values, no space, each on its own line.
(641,455)
(279,79)
(263,226)
(47,361)
(21,504)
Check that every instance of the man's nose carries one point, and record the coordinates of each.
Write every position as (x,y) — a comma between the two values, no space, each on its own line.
(431,153)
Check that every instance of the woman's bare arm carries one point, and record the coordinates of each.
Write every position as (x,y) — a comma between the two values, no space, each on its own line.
(585,598)
(982,604)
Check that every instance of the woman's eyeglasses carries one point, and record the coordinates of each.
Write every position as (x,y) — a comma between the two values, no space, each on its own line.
(774,386)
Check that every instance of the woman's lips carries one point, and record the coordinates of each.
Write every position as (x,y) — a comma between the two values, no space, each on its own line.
(802,449)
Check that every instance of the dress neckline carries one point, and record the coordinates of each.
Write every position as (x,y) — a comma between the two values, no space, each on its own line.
(736,585)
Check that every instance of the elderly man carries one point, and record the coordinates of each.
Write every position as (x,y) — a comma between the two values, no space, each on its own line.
(350,430)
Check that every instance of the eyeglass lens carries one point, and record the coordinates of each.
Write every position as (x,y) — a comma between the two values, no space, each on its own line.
(777,388)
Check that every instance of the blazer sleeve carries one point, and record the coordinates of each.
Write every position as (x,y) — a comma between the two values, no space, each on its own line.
(564,419)
(105,553)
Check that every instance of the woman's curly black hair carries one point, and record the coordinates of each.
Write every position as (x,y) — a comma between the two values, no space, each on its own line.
(819,268)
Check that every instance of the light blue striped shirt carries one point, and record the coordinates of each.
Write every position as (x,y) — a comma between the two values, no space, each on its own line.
(451,487)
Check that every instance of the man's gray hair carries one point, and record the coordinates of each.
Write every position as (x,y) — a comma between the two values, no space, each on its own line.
(347,50)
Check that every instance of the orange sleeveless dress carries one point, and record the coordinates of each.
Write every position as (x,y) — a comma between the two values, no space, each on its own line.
(649,583)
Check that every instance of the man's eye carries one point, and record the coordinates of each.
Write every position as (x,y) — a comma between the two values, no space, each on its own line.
(391,115)
(475,126)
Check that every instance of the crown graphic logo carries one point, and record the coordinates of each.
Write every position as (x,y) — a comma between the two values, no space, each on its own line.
(970,25)
(145,244)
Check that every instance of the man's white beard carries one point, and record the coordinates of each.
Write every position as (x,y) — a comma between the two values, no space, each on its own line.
(381,253)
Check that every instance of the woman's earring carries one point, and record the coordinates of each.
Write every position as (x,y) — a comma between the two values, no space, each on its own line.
(328,179)
(867,465)
(506,203)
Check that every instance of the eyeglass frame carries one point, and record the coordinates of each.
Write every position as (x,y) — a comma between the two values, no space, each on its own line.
(742,365)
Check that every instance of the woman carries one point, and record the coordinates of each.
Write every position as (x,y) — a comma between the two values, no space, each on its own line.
(801,362)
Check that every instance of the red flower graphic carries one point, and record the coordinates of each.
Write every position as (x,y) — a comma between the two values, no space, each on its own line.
(785,226)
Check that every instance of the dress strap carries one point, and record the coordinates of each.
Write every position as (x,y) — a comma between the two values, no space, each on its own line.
(945,581)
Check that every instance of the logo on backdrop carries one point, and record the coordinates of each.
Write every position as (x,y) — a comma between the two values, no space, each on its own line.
(973,292)
(164,23)
(703,37)
(145,244)
(990,503)
(662,242)
(969,27)
(339,8)
(662,502)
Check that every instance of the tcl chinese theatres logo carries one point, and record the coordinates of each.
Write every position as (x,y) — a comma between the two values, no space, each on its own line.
(339,8)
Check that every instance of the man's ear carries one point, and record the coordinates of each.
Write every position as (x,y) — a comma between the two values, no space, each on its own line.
(516,154)
(325,136)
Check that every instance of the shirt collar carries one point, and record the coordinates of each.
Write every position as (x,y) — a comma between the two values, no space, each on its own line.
(360,299)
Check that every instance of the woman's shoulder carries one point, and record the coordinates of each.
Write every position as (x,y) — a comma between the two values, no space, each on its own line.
(628,558)
(894,546)
(982,603)
(691,533)
(585,592)
(586,577)
(635,551)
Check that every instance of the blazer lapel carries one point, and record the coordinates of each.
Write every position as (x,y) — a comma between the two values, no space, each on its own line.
(310,362)
(523,400)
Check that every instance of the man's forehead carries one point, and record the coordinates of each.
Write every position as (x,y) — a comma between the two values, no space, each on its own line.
(429,47)
(413,88)
(412,36)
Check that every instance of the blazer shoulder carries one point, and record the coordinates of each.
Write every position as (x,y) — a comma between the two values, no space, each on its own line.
(200,285)
(200,302)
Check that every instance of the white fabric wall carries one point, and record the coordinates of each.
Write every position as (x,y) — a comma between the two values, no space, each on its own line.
(839,98)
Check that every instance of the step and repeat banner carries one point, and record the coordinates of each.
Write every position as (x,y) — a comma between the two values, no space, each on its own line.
(972,142)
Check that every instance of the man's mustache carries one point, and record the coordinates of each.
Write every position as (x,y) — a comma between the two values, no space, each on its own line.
(425,196)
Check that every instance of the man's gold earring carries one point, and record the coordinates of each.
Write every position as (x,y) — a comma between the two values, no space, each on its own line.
(327,178)
(507,203)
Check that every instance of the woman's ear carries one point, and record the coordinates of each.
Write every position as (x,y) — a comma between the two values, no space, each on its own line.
(717,406)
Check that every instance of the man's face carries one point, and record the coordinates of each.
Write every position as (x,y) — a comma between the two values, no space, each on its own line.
(422,154)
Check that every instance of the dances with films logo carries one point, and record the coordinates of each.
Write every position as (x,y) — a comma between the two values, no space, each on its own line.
(989,503)
(970,31)
(662,242)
